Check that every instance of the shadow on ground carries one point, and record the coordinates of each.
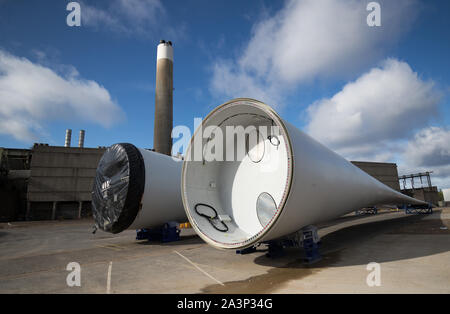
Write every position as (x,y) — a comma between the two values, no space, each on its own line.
(336,250)
(184,240)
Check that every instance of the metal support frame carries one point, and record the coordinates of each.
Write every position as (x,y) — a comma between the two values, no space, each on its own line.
(418,209)
(367,211)
(311,244)
(306,238)
(276,249)
(165,234)
(416,175)
(248,250)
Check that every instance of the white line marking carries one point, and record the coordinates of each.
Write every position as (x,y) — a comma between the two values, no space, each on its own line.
(201,270)
(108,238)
(108,280)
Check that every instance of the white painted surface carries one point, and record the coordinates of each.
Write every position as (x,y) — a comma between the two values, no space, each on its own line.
(161,202)
(165,51)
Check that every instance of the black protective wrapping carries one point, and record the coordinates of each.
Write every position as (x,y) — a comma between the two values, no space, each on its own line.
(118,187)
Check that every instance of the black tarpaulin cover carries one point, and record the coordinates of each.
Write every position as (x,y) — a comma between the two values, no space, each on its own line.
(118,187)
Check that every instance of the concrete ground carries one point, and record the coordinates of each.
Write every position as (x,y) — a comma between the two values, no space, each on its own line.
(413,252)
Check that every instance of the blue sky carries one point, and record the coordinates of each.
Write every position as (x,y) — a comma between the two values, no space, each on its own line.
(370,93)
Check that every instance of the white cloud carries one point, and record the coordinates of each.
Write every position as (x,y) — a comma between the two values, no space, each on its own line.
(239,84)
(130,17)
(32,94)
(374,113)
(430,147)
(309,39)
(384,116)
(429,150)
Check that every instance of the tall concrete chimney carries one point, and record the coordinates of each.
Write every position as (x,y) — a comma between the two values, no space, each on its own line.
(162,139)
(68,138)
(81,138)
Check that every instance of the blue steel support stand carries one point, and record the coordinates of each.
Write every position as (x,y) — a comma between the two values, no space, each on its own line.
(418,209)
(306,238)
(248,250)
(276,249)
(311,244)
(165,234)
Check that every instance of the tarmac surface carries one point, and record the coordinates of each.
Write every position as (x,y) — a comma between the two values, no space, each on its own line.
(413,252)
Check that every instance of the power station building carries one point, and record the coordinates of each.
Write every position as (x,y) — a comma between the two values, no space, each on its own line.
(14,177)
(48,182)
(60,183)
(384,172)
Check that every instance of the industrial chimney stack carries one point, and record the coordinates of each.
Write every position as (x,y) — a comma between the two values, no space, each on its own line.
(68,138)
(162,139)
(81,139)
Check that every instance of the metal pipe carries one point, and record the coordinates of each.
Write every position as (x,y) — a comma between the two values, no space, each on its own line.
(68,138)
(81,138)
